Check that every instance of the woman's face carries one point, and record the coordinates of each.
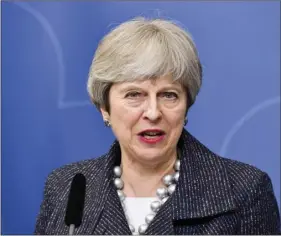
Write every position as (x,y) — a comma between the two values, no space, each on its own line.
(147,117)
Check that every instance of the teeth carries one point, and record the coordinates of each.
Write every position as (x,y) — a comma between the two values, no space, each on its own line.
(149,137)
(152,133)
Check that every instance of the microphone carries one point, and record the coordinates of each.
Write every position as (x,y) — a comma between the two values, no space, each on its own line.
(75,205)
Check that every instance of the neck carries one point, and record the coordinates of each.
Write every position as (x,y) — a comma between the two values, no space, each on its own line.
(142,179)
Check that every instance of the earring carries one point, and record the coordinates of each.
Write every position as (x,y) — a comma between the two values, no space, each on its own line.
(107,123)
(185,122)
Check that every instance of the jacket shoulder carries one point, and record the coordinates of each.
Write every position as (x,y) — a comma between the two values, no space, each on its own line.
(241,172)
(56,186)
(247,181)
(64,174)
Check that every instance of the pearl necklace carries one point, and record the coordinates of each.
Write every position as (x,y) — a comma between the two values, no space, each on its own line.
(162,193)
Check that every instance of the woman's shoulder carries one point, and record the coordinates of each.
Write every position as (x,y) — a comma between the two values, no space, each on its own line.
(243,173)
(239,173)
(90,168)
(247,181)
(242,176)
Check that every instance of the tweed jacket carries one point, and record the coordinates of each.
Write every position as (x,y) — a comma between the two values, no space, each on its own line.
(214,195)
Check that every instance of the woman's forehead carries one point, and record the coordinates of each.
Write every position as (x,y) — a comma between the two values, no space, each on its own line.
(163,82)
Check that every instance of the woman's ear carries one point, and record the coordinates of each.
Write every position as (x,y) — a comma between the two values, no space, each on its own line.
(105,114)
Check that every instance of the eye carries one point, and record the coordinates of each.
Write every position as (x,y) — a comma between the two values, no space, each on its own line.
(133,94)
(170,95)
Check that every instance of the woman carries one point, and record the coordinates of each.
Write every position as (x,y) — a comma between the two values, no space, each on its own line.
(156,178)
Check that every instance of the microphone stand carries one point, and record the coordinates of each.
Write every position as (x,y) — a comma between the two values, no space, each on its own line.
(71,229)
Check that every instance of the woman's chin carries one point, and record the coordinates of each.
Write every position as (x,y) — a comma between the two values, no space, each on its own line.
(150,155)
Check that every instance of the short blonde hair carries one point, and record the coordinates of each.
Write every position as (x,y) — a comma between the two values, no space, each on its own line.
(142,49)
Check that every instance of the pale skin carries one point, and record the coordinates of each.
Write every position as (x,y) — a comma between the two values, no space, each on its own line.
(137,106)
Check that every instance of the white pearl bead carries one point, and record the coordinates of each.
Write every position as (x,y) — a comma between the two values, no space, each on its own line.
(164,199)
(171,188)
(119,183)
(177,165)
(168,179)
(132,228)
(142,228)
(149,218)
(161,192)
(176,176)
(117,171)
(155,206)
(121,195)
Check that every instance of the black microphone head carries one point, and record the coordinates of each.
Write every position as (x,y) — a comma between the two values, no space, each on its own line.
(76,199)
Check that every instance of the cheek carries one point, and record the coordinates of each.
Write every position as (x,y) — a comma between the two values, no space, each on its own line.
(175,120)
(124,118)
(176,127)
(176,117)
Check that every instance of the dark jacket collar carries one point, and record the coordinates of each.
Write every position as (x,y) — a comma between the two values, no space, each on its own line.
(203,189)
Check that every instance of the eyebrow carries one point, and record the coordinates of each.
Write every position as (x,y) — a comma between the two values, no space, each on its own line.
(132,87)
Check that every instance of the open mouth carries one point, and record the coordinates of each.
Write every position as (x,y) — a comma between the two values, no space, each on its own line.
(152,134)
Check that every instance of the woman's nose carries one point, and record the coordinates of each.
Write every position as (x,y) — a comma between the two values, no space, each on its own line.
(151,110)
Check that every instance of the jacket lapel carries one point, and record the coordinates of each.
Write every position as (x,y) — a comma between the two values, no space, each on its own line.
(94,202)
(162,224)
(99,193)
(203,188)
(114,217)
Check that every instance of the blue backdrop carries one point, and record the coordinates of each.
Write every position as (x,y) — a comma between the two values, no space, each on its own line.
(47,120)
